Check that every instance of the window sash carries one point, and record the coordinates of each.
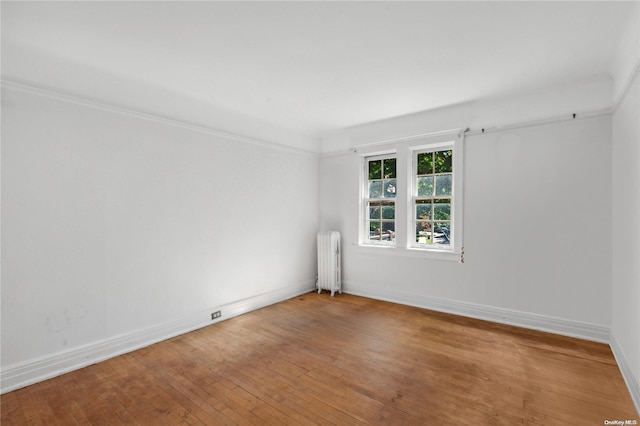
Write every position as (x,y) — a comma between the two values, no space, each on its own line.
(379,191)
(432,185)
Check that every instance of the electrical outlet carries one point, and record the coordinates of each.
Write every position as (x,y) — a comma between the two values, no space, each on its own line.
(216,314)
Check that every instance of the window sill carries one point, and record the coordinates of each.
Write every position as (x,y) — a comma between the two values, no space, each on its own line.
(421,253)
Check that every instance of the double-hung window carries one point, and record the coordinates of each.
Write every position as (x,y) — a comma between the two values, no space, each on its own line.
(432,197)
(381,185)
(412,195)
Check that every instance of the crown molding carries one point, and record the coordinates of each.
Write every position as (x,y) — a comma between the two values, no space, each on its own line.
(144,115)
(631,79)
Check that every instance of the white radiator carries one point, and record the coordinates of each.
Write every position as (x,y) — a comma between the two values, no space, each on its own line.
(329,262)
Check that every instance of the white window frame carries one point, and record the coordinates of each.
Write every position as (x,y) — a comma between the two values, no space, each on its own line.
(405,151)
(415,151)
(365,200)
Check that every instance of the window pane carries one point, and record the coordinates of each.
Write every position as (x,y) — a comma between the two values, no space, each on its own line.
(425,163)
(423,233)
(441,233)
(389,188)
(443,185)
(443,163)
(442,210)
(388,210)
(374,210)
(425,186)
(388,231)
(390,168)
(374,230)
(375,189)
(423,209)
(375,169)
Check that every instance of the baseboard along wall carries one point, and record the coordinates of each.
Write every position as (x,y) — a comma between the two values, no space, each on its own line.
(538,322)
(34,371)
(37,370)
(532,321)
(627,373)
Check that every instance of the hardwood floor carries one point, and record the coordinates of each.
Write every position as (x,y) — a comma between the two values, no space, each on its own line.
(344,360)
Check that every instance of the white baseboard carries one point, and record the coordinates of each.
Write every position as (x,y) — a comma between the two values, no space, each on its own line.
(33,371)
(36,370)
(549,324)
(627,372)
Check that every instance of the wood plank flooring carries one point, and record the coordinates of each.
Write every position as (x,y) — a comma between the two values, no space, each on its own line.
(344,360)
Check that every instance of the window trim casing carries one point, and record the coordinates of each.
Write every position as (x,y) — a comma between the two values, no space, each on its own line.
(405,149)
(364,199)
(412,184)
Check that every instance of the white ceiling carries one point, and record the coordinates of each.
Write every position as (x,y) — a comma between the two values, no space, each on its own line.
(306,68)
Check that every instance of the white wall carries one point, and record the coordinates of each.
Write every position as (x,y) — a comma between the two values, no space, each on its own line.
(625,326)
(625,320)
(627,55)
(583,97)
(537,231)
(113,224)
